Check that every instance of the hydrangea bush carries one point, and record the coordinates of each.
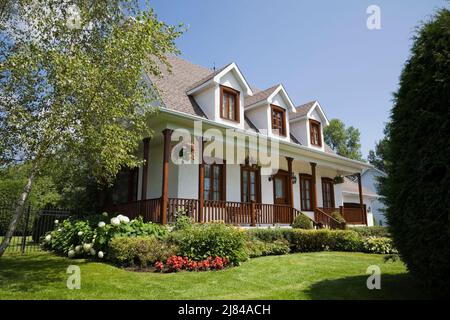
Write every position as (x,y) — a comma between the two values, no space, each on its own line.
(90,236)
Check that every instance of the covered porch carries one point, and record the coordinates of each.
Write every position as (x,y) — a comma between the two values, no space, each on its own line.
(243,196)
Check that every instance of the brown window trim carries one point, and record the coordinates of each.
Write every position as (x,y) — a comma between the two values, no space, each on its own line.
(312,123)
(222,181)
(304,176)
(256,169)
(225,89)
(283,112)
(330,181)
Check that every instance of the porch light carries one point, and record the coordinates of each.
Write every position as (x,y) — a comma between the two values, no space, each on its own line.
(294,179)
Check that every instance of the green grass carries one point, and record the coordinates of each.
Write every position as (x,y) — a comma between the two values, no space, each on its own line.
(322,275)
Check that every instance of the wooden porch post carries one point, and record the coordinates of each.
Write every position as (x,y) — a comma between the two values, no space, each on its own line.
(253,213)
(313,188)
(145,169)
(291,189)
(361,202)
(201,181)
(165,177)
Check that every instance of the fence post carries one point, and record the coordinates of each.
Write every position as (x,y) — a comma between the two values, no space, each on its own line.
(25,229)
(252,212)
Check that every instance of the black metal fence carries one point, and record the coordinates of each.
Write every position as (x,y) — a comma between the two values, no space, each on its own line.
(32,226)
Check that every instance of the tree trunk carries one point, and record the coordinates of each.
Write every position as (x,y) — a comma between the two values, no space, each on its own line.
(17,214)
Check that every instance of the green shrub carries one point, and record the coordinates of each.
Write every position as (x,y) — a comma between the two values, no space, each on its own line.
(139,251)
(372,231)
(337,216)
(302,222)
(324,239)
(211,239)
(416,188)
(258,248)
(76,236)
(269,234)
(183,221)
(379,245)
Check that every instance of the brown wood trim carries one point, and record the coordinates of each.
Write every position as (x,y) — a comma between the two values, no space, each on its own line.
(283,112)
(165,176)
(305,176)
(326,180)
(256,169)
(312,123)
(146,142)
(201,180)
(236,93)
(313,185)
(289,182)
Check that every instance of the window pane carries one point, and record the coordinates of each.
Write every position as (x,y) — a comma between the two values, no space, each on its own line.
(279,192)
(232,114)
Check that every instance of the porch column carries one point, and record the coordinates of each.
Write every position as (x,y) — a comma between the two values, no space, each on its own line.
(201,180)
(290,187)
(165,176)
(313,185)
(361,202)
(145,169)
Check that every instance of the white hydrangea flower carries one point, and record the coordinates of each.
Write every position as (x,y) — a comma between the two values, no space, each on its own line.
(87,247)
(105,214)
(48,237)
(101,224)
(59,230)
(92,252)
(125,219)
(115,221)
(71,254)
(80,233)
(77,249)
(100,254)
(56,221)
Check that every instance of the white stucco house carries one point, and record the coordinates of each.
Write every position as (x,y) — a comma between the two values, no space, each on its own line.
(225,150)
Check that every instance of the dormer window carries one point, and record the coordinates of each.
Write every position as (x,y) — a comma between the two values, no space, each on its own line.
(314,132)
(229,104)
(278,120)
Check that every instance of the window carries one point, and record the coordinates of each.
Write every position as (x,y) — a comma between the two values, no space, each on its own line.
(279,119)
(214,182)
(314,132)
(328,193)
(305,192)
(229,103)
(250,184)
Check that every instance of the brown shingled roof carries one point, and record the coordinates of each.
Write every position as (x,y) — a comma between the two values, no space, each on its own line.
(302,110)
(260,96)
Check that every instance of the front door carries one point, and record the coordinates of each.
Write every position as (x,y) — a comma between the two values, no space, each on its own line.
(281,197)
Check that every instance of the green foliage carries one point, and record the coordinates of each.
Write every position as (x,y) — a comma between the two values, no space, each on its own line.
(211,239)
(319,240)
(95,232)
(372,231)
(379,245)
(417,187)
(183,222)
(378,157)
(345,141)
(269,234)
(337,216)
(140,251)
(302,222)
(258,248)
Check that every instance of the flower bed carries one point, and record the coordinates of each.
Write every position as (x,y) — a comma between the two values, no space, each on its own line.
(178,263)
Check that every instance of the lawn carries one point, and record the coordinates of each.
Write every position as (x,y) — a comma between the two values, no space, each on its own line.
(321,275)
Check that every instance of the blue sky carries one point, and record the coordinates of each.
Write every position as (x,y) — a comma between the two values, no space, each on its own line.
(318,49)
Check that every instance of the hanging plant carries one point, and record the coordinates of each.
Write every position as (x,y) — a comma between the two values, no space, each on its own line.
(338,179)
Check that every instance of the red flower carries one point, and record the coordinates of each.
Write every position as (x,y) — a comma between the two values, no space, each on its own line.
(159,265)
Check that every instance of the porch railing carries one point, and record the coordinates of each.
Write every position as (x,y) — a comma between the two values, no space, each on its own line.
(322,217)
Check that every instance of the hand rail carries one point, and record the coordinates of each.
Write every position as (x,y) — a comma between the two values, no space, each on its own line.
(327,221)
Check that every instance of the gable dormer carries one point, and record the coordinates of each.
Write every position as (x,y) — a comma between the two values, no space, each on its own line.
(269,110)
(221,95)
(307,125)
